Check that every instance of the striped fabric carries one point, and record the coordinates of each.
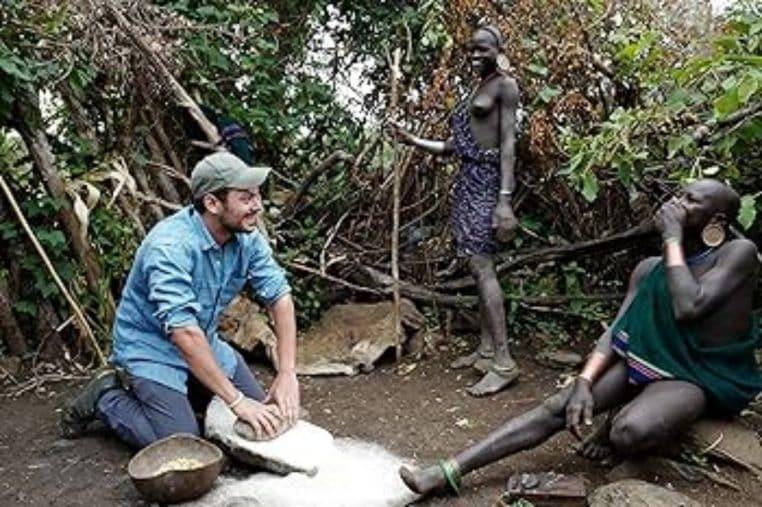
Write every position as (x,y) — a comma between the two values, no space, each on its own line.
(639,371)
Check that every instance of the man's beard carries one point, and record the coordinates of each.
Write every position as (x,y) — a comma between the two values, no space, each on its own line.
(239,228)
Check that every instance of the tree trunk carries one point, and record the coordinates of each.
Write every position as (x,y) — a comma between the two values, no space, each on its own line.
(142,180)
(10,331)
(164,182)
(28,122)
(157,127)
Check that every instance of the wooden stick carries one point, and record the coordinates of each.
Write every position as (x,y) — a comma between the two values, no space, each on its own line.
(394,64)
(182,96)
(46,260)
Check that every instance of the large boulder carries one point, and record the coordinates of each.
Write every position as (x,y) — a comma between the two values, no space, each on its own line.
(634,493)
(350,338)
(243,324)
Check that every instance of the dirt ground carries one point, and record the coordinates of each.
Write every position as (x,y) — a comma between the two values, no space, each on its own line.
(423,415)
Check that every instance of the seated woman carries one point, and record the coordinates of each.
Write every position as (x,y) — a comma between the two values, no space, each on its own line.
(682,345)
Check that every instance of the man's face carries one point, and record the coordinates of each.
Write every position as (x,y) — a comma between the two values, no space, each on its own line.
(698,199)
(483,52)
(240,208)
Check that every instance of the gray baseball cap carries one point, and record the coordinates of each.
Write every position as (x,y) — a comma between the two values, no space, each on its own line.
(224,170)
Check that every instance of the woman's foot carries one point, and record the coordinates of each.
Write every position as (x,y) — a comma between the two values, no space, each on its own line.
(597,446)
(471,359)
(423,481)
(483,364)
(495,380)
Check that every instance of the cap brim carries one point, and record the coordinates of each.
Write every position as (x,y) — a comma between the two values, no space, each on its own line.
(251,176)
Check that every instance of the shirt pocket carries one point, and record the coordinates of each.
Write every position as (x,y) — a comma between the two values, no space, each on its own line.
(231,289)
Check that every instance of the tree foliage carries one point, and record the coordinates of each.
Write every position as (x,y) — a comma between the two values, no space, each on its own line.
(622,102)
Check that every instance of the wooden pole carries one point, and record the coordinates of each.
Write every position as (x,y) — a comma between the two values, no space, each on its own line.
(182,96)
(394,99)
(46,260)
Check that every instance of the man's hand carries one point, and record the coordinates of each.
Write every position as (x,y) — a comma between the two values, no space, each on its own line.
(579,408)
(670,219)
(504,221)
(285,393)
(266,420)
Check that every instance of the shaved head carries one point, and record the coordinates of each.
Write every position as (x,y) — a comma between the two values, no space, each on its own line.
(720,197)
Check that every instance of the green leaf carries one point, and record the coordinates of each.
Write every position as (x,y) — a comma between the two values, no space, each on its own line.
(678,144)
(589,186)
(548,93)
(747,88)
(726,104)
(748,211)
(25,307)
(540,70)
(11,67)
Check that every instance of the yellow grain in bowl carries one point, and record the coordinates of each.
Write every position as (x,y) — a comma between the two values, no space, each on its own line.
(179,465)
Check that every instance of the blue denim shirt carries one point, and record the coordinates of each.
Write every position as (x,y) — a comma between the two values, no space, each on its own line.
(182,277)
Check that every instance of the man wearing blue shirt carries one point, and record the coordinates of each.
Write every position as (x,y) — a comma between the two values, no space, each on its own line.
(186,271)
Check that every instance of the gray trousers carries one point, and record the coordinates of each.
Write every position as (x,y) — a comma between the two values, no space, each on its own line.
(150,411)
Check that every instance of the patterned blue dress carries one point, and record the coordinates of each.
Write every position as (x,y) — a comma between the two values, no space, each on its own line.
(476,189)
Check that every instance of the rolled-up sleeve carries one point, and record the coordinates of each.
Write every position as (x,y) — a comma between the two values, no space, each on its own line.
(168,270)
(266,279)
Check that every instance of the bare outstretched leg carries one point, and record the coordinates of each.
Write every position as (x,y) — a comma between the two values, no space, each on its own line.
(504,370)
(485,351)
(522,432)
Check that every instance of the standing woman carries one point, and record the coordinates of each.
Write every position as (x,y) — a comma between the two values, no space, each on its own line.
(483,136)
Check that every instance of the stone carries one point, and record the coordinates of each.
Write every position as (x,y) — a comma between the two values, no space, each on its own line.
(654,468)
(729,440)
(297,450)
(350,338)
(558,359)
(243,325)
(634,493)
(9,367)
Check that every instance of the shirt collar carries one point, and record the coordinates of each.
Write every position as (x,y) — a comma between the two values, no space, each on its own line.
(207,240)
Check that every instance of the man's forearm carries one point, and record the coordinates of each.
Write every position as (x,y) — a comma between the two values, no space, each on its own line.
(284,316)
(196,351)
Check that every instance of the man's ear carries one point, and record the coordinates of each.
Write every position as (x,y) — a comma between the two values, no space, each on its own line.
(212,204)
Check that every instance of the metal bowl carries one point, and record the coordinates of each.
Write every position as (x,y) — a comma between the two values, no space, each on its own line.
(152,473)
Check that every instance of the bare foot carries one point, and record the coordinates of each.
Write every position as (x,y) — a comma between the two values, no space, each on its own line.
(471,359)
(465,361)
(597,446)
(482,365)
(493,382)
(423,481)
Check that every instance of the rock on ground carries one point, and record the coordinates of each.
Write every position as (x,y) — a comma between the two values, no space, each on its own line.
(634,493)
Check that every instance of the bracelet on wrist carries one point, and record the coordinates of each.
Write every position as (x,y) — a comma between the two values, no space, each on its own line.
(671,239)
(237,401)
(584,377)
